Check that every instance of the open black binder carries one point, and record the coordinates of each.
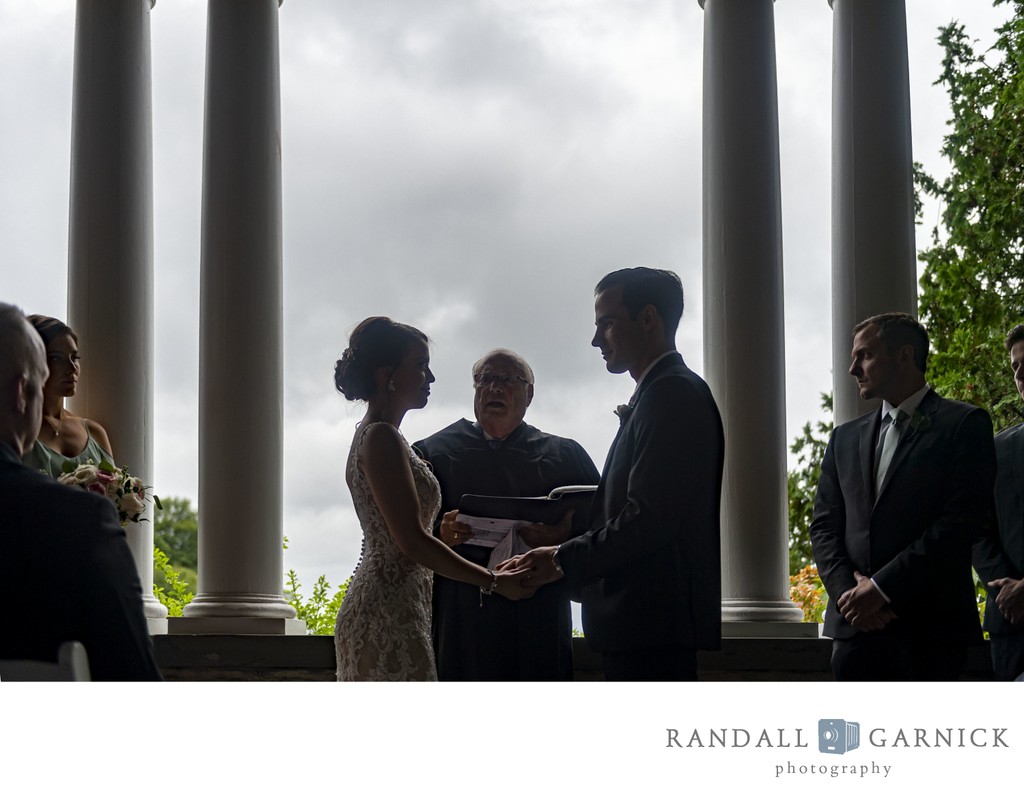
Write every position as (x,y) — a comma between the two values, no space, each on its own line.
(550,509)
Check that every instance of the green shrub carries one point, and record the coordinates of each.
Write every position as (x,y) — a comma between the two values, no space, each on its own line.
(321,609)
(808,592)
(177,595)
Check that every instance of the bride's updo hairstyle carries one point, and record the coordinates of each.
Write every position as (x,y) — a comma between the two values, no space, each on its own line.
(377,342)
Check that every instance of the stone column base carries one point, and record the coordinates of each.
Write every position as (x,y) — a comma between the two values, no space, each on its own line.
(153,609)
(740,610)
(239,604)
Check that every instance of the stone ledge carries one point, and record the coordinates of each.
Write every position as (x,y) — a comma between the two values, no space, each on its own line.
(184,657)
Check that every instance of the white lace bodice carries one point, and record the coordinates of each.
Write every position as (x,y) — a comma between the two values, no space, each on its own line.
(383,627)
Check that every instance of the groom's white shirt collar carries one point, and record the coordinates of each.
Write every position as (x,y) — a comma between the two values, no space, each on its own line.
(632,398)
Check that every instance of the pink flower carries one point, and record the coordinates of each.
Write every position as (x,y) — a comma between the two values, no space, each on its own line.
(127,493)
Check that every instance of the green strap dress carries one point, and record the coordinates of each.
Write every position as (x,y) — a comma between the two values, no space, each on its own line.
(43,458)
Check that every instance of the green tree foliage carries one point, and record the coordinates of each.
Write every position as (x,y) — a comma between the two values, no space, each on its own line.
(808,449)
(176,538)
(176,532)
(972,286)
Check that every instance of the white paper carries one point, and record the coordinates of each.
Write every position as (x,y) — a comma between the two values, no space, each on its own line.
(499,534)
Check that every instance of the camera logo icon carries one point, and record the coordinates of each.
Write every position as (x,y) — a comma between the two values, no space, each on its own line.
(836,736)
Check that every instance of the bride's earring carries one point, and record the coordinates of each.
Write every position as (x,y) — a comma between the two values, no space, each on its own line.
(391,385)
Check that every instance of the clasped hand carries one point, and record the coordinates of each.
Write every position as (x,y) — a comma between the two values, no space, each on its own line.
(520,576)
(513,584)
(864,607)
(1010,600)
(537,567)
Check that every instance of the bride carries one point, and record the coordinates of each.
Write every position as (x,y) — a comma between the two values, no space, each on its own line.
(383,626)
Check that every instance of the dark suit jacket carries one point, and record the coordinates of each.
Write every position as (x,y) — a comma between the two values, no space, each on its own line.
(68,575)
(915,539)
(649,570)
(1000,552)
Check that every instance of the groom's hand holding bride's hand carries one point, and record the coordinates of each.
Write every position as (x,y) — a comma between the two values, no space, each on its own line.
(513,584)
(537,565)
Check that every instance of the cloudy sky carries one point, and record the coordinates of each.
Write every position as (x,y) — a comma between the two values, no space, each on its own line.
(472,168)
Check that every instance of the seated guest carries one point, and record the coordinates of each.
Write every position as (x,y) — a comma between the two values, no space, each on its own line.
(62,435)
(500,455)
(62,549)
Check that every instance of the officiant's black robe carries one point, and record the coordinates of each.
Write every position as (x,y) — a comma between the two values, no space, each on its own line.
(501,640)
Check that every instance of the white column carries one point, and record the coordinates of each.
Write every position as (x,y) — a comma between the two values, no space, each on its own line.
(744,352)
(241,331)
(874,266)
(110,242)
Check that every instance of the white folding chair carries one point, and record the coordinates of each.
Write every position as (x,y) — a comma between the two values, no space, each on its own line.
(72,665)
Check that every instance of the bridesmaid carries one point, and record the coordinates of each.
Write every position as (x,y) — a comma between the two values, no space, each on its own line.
(63,435)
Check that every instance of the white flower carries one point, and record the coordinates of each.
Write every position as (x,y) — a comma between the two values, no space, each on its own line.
(131,504)
(127,493)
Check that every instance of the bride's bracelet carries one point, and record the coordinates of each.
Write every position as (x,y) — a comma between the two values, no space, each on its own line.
(489,590)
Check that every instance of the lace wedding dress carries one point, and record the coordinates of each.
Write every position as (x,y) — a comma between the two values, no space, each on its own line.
(383,627)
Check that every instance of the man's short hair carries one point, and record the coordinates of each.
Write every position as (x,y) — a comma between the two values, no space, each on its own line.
(20,352)
(643,286)
(896,329)
(511,356)
(1014,335)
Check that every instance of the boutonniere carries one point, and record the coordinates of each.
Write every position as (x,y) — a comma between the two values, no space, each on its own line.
(623,411)
(919,421)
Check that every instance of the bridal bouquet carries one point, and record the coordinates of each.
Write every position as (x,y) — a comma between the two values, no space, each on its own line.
(126,492)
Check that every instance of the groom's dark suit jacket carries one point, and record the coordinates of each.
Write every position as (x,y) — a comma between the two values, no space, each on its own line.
(915,539)
(1000,554)
(648,572)
(68,575)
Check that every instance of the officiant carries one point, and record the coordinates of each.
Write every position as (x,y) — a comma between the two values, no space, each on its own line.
(499,454)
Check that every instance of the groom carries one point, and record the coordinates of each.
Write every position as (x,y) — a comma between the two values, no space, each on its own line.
(648,571)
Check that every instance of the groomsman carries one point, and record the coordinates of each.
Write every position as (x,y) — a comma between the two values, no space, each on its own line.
(999,556)
(902,494)
(649,569)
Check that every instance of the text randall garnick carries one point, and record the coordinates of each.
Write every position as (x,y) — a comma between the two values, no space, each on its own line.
(783,738)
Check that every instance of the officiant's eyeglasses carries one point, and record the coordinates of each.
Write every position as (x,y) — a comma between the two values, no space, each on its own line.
(487,379)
